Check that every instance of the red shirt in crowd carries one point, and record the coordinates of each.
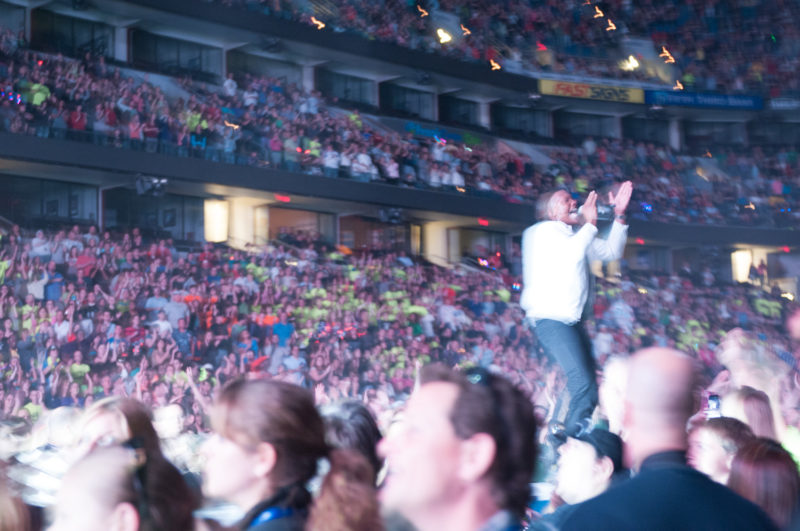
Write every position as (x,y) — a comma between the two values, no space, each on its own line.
(77,120)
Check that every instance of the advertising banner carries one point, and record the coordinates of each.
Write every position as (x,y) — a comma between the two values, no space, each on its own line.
(697,99)
(590,91)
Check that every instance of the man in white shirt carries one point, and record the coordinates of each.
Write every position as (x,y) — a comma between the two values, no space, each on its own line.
(556,287)
(362,166)
(391,169)
(40,247)
(435,175)
(162,325)
(589,146)
(313,102)
(61,326)
(330,161)
(437,152)
(229,86)
(453,177)
(250,96)
(176,309)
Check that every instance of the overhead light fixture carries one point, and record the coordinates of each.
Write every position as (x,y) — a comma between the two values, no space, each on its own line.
(630,64)
(152,186)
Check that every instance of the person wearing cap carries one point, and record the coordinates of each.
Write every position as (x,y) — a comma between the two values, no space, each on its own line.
(588,465)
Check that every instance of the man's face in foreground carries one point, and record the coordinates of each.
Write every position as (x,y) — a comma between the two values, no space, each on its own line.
(423,453)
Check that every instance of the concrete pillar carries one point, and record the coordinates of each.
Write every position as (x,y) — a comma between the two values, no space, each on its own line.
(744,133)
(674,134)
(485,114)
(434,108)
(121,43)
(101,205)
(616,126)
(27,23)
(548,124)
(307,76)
(261,224)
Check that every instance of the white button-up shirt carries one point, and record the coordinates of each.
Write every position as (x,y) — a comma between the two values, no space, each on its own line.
(554,267)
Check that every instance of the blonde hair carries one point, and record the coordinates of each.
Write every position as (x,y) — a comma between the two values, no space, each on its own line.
(752,407)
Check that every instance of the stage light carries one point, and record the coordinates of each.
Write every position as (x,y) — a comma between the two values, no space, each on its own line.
(630,64)
(444,37)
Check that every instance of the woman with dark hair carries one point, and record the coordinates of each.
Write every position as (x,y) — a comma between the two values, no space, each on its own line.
(127,422)
(110,488)
(350,425)
(269,438)
(764,473)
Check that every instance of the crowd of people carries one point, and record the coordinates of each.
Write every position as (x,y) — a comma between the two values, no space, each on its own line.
(87,315)
(256,120)
(717,46)
(90,317)
(271,123)
(307,386)
(747,187)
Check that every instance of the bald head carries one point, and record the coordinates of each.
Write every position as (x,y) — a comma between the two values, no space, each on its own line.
(661,386)
(659,401)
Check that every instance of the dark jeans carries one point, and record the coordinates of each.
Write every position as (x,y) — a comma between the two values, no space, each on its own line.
(570,347)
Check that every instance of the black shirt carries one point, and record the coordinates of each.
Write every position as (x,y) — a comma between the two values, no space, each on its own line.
(668,495)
